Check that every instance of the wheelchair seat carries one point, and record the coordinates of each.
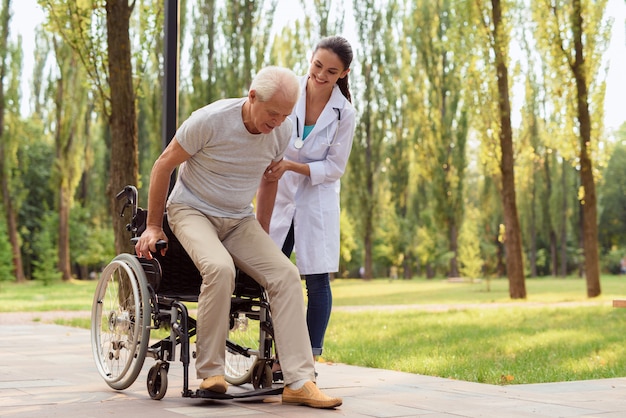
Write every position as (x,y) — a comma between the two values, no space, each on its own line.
(176,276)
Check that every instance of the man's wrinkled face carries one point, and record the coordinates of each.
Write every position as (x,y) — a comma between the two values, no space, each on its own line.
(267,115)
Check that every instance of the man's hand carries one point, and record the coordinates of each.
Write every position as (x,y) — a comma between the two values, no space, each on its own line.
(147,242)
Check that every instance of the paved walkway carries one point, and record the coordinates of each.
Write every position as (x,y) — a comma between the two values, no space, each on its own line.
(47,371)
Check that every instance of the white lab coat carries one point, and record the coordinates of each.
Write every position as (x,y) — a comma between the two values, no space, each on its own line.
(313,202)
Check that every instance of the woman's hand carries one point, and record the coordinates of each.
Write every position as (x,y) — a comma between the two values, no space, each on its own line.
(276,170)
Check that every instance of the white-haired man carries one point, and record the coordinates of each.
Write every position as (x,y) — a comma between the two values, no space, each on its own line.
(223,150)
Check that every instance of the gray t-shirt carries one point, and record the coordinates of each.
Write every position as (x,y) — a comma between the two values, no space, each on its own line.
(227,162)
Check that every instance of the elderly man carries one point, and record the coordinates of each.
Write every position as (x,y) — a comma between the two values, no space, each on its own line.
(223,151)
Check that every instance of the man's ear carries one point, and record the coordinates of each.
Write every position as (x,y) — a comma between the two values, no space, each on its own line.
(252,96)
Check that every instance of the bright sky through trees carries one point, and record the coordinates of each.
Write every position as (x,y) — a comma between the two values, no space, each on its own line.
(27,15)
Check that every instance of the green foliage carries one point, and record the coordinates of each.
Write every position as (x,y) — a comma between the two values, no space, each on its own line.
(6,263)
(471,264)
(348,245)
(36,156)
(45,250)
(91,244)
(612,222)
(612,260)
(420,166)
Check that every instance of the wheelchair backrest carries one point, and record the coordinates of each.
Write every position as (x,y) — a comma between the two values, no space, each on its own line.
(180,277)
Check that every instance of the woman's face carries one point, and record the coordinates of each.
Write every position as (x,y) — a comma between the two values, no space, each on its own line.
(326,68)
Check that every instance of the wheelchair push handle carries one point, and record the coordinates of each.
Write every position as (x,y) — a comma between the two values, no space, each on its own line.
(130,193)
(160,244)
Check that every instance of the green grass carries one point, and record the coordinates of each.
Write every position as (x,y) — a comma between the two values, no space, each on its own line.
(33,296)
(528,341)
(498,346)
(353,292)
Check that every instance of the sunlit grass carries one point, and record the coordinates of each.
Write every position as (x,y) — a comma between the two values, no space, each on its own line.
(499,346)
(33,296)
(353,292)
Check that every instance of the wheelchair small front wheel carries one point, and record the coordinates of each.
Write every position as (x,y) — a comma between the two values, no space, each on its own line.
(120,321)
(262,375)
(157,380)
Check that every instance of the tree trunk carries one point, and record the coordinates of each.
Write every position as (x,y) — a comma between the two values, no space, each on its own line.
(500,266)
(532,256)
(589,202)
(564,222)
(554,264)
(64,234)
(11,218)
(454,249)
(9,209)
(124,166)
(513,239)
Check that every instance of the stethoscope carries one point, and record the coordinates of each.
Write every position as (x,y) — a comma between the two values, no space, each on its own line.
(299,142)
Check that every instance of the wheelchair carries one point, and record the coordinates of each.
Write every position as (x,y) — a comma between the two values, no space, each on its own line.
(136,297)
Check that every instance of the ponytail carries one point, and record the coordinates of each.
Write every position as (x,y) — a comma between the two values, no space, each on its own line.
(344,86)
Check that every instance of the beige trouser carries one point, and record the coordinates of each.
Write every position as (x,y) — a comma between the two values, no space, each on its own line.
(215,245)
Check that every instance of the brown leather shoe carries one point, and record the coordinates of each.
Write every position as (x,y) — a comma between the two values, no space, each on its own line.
(215,384)
(309,395)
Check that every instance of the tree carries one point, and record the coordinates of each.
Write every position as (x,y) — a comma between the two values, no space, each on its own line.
(440,68)
(108,61)
(124,167)
(575,35)
(365,167)
(230,44)
(495,39)
(71,105)
(612,223)
(7,147)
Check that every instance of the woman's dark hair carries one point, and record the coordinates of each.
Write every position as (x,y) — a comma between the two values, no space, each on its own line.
(342,48)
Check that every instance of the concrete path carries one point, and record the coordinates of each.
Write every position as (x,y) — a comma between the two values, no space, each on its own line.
(47,371)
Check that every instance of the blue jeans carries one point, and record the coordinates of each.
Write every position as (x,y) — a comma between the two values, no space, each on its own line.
(320,300)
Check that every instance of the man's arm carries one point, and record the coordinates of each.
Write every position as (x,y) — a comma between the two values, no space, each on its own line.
(265,197)
(160,176)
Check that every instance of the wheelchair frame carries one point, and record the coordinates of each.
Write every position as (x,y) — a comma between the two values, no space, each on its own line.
(127,306)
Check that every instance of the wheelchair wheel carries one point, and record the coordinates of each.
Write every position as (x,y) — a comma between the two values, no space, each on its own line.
(262,375)
(120,321)
(157,380)
(242,354)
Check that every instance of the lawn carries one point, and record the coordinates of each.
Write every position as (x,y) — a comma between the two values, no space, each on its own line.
(482,336)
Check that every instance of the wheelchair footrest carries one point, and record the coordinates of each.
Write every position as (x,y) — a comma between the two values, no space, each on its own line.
(207,394)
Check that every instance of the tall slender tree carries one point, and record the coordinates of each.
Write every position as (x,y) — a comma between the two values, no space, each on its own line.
(365,168)
(99,32)
(10,211)
(495,40)
(440,69)
(71,104)
(124,168)
(575,35)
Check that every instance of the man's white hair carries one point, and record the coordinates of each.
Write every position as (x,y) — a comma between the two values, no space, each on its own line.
(270,80)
